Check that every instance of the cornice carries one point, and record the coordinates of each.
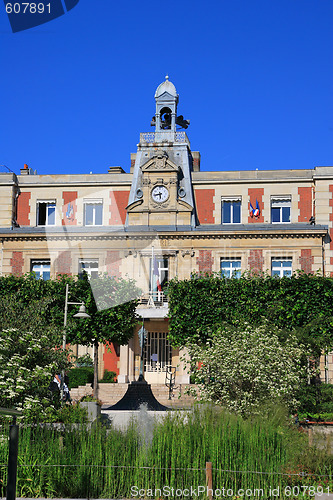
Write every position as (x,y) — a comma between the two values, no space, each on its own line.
(306,232)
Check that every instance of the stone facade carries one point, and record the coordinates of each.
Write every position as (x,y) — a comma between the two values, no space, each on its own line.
(165,210)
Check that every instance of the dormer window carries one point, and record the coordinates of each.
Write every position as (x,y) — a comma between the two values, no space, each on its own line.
(231,210)
(93,212)
(46,212)
(280,209)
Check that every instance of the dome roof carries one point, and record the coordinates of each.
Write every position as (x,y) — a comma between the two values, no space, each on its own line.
(166,86)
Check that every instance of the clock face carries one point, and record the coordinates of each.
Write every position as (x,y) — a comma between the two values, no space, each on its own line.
(160,193)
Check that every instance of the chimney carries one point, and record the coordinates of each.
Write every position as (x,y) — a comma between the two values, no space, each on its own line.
(27,171)
(116,170)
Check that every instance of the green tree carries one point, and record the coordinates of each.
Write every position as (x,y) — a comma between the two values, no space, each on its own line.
(243,368)
(111,303)
(30,356)
(301,304)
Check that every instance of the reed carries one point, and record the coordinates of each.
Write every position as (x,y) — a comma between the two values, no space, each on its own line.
(97,462)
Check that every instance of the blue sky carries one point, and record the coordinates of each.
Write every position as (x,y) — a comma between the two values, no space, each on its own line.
(254,77)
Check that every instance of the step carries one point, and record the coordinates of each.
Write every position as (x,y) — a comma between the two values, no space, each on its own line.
(111,393)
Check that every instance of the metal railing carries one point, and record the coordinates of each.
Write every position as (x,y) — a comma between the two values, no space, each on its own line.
(157,367)
(170,379)
(150,137)
(153,299)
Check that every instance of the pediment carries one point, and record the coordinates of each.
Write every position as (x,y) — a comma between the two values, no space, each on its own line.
(166,97)
(159,163)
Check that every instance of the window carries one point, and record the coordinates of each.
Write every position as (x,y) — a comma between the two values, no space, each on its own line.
(41,268)
(231,210)
(231,268)
(161,276)
(46,213)
(281,267)
(280,210)
(93,212)
(90,267)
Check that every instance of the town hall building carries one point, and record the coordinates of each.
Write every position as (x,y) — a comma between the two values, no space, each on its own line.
(165,218)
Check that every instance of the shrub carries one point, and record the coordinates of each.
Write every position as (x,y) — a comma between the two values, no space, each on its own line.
(316,398)
(80,376)
(68,414)
(108,377)
(240,369)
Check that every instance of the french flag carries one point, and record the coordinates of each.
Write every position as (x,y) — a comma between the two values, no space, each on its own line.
(256,212)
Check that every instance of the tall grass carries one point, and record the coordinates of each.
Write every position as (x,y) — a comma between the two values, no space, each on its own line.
(97,462)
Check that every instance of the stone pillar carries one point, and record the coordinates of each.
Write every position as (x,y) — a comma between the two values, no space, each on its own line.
(182,376)
(131,361)
(158,122)
(123,364)
(173,122)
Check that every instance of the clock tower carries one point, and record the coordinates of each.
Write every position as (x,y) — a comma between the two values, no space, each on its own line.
(161,192)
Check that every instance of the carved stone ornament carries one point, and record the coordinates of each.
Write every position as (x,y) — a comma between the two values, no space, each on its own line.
(165,204)
(190,253)
(160,162)
(160,154)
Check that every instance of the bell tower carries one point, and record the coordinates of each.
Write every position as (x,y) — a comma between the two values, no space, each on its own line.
(166,98)
(161,192)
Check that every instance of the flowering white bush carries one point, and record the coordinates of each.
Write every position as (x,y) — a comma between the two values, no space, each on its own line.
(28,363)
(243,369)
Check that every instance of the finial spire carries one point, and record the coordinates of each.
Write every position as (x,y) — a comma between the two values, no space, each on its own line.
(167,77)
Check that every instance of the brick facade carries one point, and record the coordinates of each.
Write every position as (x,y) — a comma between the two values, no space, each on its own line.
(254,195)
(196,163)
(119,202)
(63,263)
(69,208)
(23,209)
(17,263)
(205,261)
(204,199)
(306,260)
(304,204)
(256,261)
(112,263)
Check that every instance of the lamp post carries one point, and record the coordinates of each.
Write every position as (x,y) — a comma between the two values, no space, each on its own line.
(81,314)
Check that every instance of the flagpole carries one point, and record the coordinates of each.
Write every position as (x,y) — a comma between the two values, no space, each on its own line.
(151,300)
(152,270)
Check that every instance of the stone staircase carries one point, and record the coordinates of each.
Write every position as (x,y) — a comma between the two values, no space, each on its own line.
(110,394)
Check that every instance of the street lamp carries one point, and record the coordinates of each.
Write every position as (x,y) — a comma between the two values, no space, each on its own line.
(81,314)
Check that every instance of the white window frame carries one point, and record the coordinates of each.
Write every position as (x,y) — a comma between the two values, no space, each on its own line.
(280,202)
(280,268)
(235,272)
(89,269)
(162,272)
(231,199)
(94,202)
(44,265)
(49,204)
